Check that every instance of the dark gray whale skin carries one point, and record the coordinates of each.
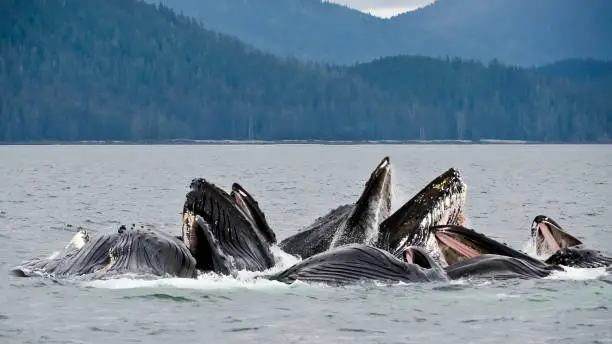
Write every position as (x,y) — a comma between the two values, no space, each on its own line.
(134,251)
(346,224)
(226,232)
(579,257)
(355,263)
(317,237)
(492,266)
(439,203)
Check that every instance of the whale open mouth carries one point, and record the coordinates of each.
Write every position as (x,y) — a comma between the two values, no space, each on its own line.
(250,208)
(457,243)
(225,232)
(439,203)
(418,256)
(455,247)
(549,236)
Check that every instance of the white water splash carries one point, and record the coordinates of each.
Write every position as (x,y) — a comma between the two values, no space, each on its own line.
(503,296)
(211,281)
(282,259)
(530,249)
(373,223)
(569,273)
(578,274)
(54,255)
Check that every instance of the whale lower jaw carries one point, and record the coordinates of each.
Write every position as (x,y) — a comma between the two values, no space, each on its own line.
(366,230)
(372,207)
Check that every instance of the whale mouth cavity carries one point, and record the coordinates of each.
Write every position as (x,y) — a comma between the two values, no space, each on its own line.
(239,197)
(249,206)
(455,247)
(549,237)
(416,256)
(225,232)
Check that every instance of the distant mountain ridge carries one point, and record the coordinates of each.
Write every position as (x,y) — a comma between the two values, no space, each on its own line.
(519,32)
(73,70)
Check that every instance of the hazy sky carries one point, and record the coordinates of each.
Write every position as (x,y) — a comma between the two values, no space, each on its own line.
(384,8)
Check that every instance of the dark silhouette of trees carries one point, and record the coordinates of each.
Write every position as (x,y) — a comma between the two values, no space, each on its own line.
(125,70)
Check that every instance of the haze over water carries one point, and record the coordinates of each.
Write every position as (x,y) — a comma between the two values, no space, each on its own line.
(44,188)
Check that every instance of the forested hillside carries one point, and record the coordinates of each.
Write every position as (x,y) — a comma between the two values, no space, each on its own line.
(518,32)
(126,70)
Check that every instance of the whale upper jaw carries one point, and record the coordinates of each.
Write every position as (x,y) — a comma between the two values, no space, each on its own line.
(372,207)
(439,203)
(549,236)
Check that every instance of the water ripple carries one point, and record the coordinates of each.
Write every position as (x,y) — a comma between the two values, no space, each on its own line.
(94,188)
(160,296)
(243,329)
(98,329)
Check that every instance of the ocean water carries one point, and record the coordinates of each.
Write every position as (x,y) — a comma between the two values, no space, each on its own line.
(47,192)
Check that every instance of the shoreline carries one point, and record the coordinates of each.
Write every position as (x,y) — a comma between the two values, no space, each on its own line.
(298,142)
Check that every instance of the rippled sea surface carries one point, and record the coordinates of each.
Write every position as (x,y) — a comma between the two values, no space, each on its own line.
(48,191)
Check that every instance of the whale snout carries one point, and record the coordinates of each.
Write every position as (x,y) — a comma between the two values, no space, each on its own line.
(549,236)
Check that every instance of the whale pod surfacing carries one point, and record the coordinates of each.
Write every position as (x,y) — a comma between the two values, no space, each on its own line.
(231,232)
(348,224)
(355,263)
(134,251)
(439,203)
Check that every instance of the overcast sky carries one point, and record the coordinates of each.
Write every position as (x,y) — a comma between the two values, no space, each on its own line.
(384,8)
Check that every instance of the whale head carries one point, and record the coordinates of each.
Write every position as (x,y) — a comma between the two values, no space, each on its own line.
(549,236)
(439,203)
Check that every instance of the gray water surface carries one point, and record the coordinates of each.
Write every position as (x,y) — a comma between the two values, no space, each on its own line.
(49,191)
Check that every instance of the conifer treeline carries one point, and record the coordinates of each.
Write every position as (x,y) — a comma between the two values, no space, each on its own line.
(125,70)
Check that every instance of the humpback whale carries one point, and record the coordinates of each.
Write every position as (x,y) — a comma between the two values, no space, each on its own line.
(488,266)
(453,244)
(549,236)
(354,263)
(136,251)
(438,203)
(348,224)
(562,248)
(226,232)
(578,257)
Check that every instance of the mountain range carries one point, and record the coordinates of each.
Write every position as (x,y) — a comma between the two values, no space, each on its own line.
(517,32)
(74,70)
